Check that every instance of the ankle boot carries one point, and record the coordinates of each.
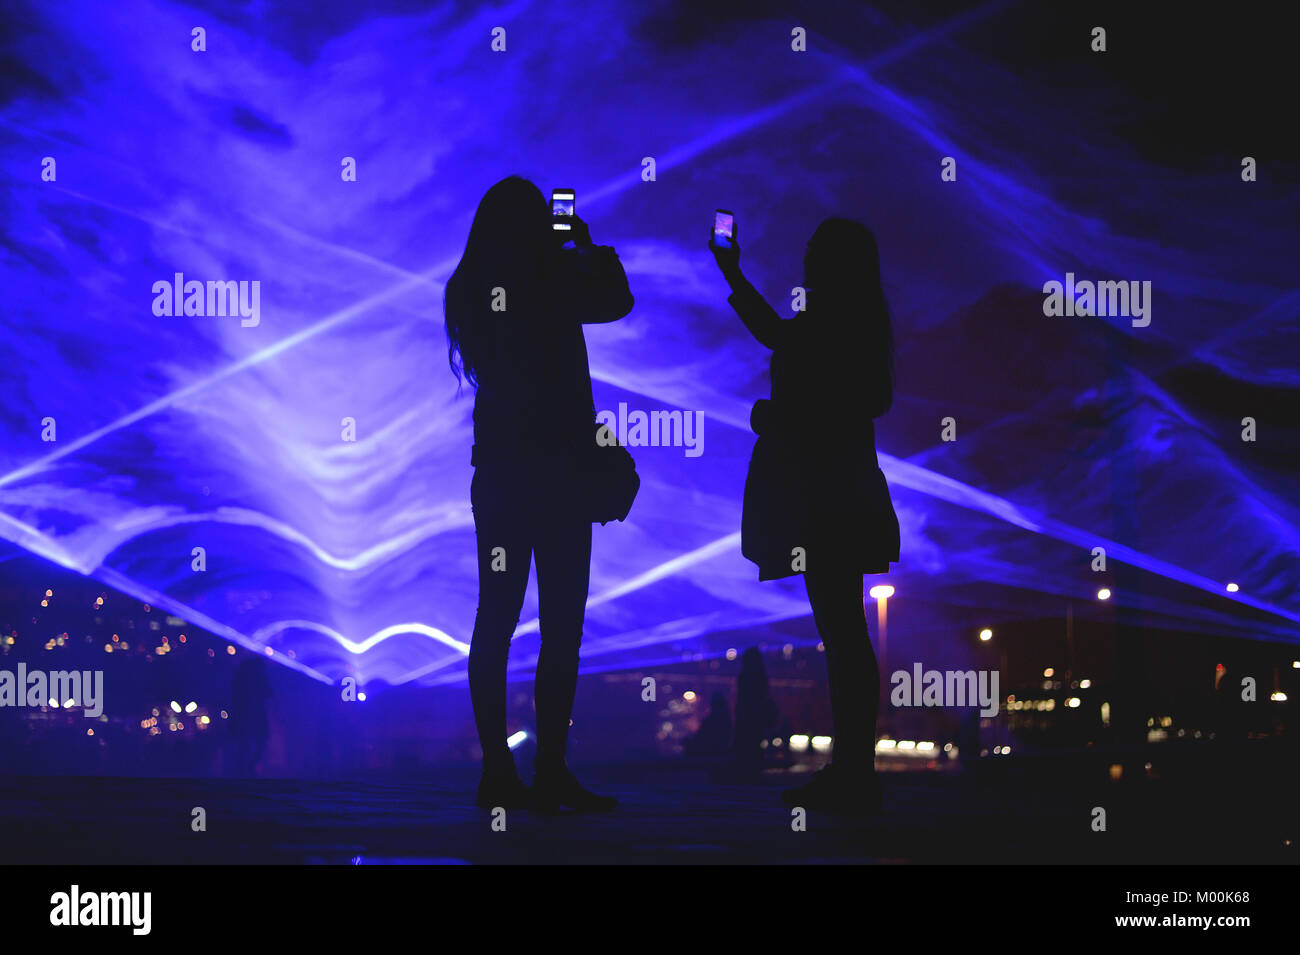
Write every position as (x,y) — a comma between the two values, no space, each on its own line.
(501,787)
(555,787)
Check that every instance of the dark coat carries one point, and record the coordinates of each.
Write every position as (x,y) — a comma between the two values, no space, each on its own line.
(534,386)
(814,480)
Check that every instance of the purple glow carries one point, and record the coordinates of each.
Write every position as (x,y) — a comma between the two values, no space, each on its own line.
(199,431)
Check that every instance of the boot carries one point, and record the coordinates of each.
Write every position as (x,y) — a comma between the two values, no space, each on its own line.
(502,787)
(555,787)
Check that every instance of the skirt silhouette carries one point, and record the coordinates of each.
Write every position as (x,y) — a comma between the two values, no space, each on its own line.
(816,502)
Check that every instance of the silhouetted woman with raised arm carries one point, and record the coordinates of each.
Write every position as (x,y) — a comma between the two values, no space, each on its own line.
(816,501)
(515,307)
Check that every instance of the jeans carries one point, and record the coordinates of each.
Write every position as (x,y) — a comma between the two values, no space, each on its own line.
(521,512)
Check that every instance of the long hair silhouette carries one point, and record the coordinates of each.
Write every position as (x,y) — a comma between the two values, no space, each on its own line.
(841,271)
(509,246)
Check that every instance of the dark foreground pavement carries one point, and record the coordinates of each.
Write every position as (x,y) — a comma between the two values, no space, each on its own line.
(1208,807)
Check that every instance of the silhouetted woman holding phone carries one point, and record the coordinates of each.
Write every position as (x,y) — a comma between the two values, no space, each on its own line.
(515,307)
(816,501)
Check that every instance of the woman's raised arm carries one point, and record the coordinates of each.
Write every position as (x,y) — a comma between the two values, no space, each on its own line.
(759,317)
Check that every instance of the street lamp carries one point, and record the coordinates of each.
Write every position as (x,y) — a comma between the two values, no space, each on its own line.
(986,636)
(882,593)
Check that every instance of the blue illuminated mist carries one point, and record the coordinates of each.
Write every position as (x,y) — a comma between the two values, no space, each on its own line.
(357,557)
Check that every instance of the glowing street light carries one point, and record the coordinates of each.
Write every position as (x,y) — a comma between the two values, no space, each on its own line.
(1103,594)
(1233,588)
(986,636)
(882,593)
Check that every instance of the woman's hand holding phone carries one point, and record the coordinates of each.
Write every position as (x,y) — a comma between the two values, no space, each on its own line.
(577,233)
(727,256)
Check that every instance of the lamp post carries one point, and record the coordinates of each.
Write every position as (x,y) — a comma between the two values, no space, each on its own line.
(882,593)
(986,636)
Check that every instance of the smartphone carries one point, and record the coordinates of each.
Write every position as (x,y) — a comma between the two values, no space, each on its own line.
(562,207)
(724,228)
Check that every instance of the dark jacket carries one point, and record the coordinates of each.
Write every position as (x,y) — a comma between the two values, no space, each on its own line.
(534,384)
(814,481)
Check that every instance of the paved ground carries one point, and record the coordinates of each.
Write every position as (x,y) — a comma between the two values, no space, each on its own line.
(1235,809)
